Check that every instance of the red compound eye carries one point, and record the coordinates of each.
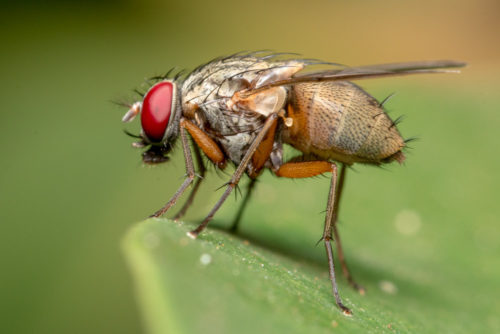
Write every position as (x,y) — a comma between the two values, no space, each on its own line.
(156,110)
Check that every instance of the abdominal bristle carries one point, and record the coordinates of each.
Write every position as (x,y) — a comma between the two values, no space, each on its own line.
(398,156)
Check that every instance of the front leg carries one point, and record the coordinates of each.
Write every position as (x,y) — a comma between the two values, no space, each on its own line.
(197,183)
(207,145)
(190,175)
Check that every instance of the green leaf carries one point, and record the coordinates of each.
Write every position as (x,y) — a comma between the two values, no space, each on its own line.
(221,283)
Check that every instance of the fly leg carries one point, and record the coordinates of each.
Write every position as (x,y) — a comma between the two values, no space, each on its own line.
(336,236)
(309,169)
(270,122)
(201,171)
(237,219)
(190,175)
(259,158)
(207,145)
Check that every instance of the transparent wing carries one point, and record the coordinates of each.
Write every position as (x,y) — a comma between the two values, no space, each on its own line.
(364,72)
(416,65)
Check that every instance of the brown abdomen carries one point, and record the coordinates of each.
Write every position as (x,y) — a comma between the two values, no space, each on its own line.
(340,121)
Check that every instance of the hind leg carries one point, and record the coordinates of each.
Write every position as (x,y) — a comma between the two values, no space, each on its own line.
(345,269)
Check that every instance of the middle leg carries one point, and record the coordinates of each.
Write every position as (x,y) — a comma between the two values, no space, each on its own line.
(269,123)
(237,219)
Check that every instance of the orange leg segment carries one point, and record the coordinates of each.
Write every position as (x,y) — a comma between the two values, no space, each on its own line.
(263,151)
(207,144)
(304,169)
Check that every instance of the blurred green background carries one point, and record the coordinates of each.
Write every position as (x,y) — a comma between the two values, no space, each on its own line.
(71,185)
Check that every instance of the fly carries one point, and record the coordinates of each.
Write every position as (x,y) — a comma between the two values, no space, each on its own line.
(243,108)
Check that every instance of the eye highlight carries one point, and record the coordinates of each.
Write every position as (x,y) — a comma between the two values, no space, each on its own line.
(156,110)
